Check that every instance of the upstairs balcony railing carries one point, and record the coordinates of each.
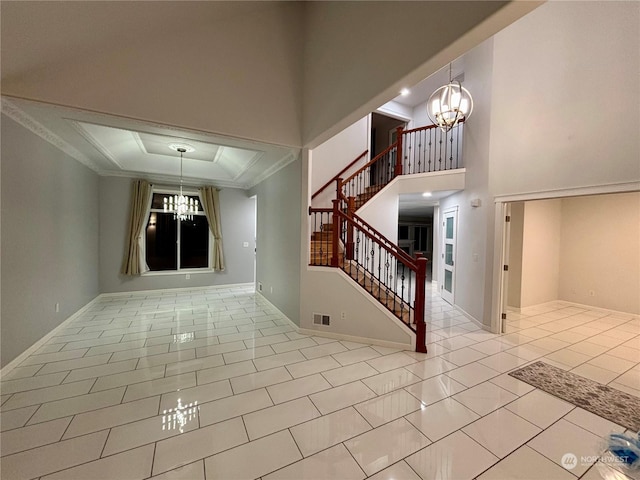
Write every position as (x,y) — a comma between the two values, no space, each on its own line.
(422,150)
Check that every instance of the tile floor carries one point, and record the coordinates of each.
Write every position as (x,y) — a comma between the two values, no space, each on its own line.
(216,384)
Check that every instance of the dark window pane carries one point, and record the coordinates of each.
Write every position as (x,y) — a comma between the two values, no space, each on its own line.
(194,243)
(161,248)
(424,238)
(403,232)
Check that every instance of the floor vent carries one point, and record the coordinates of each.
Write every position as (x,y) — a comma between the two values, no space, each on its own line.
(320,319)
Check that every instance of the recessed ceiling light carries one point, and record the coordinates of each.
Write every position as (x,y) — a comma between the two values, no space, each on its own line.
(404,92)
(426,194)
(187,148)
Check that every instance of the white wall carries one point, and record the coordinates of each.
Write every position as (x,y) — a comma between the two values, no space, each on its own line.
(475,224)
(278,238)
(541,121)
(237,212)
(600,251)
(541,252)
(335,154)
(49,238)
(331,292)
(565,98)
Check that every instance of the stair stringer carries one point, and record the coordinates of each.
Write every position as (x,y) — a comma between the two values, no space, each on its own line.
(331,291)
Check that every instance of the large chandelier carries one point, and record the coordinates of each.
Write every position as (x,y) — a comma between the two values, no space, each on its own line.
(181,206)
(449,104)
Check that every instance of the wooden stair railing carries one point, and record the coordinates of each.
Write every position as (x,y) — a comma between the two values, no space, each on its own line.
(385,271)
(337,175)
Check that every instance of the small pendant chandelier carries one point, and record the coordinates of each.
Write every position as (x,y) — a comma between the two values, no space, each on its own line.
(449,104)
(181,206)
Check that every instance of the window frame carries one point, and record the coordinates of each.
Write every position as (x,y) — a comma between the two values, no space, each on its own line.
(178,271)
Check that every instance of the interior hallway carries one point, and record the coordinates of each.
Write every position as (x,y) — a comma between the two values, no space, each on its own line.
(215,383)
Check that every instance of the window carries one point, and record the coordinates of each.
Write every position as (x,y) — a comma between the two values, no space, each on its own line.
(171,244)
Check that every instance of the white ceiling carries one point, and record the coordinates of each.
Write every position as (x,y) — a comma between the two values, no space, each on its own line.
(421,92)
(415,205)
(116,146)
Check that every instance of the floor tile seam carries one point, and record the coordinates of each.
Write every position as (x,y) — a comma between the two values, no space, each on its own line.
(124,384)
(285,428)
(75,413)
(36,376)
(157,414)
(606,352)
(354,458)
(44,444)
(518,397)
(51,401)
(31,449)
(105,457)
(498,459)
(624,373)
(599,455)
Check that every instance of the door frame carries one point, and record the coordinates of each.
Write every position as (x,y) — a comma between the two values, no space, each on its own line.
(449,212)
(500,253)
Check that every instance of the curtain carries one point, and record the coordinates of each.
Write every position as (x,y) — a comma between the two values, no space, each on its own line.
(211,205)
(134,262)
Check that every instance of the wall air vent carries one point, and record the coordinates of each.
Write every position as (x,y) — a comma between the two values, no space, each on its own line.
(321,319)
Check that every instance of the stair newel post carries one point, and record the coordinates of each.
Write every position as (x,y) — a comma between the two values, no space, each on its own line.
(338,188)
(399,152)
(421,327)
(351,208)
(336,233)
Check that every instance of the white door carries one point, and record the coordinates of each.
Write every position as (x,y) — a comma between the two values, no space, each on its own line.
(449,231)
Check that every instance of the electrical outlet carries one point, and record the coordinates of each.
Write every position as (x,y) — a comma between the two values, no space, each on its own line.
(188,276)
(57,307)
(270,289)
(343,315)
(259,286)
(592,293)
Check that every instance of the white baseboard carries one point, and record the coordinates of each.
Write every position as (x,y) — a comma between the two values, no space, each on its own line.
(29,351)
(473,319)
(352,338)
(587,307)
(340,336)
(177,289)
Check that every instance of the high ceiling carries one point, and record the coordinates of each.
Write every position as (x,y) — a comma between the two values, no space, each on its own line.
(247,84)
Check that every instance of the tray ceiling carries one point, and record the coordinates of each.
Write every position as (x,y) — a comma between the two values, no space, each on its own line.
(115,146)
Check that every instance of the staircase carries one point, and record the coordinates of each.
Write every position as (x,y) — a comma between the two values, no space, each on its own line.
(341,239)
(368,194)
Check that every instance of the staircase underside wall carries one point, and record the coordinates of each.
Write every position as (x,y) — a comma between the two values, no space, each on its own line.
(329,291)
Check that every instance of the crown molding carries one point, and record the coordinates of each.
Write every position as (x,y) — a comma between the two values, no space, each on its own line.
(279,165)
(19,116)
(256,157)
(168,180)
(77,126)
